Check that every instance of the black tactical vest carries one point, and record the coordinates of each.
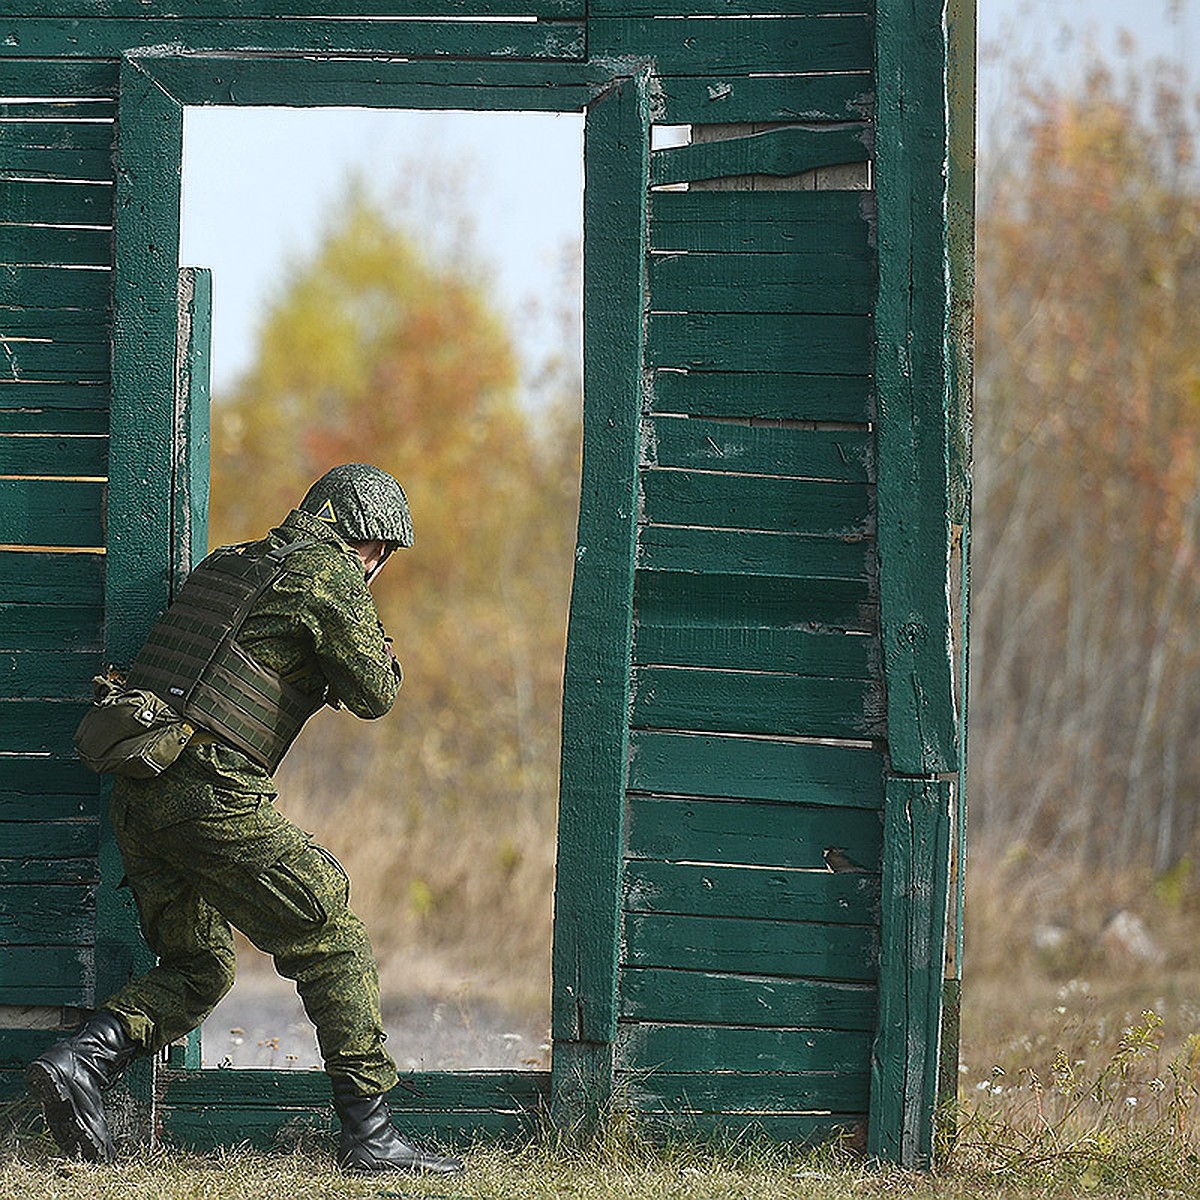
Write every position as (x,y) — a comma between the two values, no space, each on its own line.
(193,661)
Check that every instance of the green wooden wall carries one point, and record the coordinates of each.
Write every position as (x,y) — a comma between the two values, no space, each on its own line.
(762,725)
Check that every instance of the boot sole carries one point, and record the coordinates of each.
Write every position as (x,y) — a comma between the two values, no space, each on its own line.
(57,1099)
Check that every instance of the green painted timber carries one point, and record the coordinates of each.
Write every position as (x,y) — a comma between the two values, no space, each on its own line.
(912,374)
(208,1108)
(824,897)
(755,702)
(761,449)
(799,397)
(798,1130)
(749,1092)
(599,644)
(49,579)
(496,84)
(690,99)
(756,769)
(756,1001)
(46,914)
(47,779)
(38,726)
(912,956)
(746,601)
(762,283)
(816,343)
(27,137)
(726,8)
(43,163)
(723,501)
(225,9)
(56,361)
(56,287)
(740,945)
(51,512)
(751,833)
(58,78)
(47,674)
(733,1048)
(31,245)
(822,222)
(47,975)
(55,110)
(787,151)
(65,327)
(109,37)
(189,489)
(753,552)
(51,203)
(43,626)
(35,454)
(19,1046)
(703,45)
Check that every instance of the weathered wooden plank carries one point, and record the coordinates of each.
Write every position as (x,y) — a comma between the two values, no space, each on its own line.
(37,162)
(762,283)
(56,110)
(49,627)
(726,8)
(788,151)
(720,501)
(817,344)
(441,1091)
(226,9)
(54,135)
(51,778)
(916,867)
(47,674)
(49,579)
(823,897)
(734,1091)
(80,402)
(694,1048)
(745,552)
(54,512)
(756,702)
(32,245)
(61,326)
(738,946)
(51,203)
(55,287)
(843,454)
(109,36)
(913,378)
(596,673)
(47,975)
(706,46)
(704,997)
(756,769)
(38,726)
(798,397)
(751,833)
(56,78)
(798,1130)
(824,222)
(750,601)
(68,362)
(691,99)
(46,914)
(71,457)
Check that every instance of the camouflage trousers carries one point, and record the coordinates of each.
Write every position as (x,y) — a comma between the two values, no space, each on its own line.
(235,860)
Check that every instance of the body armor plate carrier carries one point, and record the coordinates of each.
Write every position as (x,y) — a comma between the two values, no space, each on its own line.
(192,659)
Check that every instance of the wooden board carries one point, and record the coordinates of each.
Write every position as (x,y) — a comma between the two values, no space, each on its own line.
(757,1001)
(53,287)
(755,768)
(691,1048)
(823,897)
(47,789)
(749,1092)
(692,99)
(54,455)
(751,833)
(768,394)
(33,245)
(46,914)
(38,726)
(43,202)
(295,9)
(49,578)
(47,975)
(57,512)
(48,674)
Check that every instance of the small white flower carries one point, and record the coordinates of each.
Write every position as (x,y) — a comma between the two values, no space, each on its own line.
(1131,1101)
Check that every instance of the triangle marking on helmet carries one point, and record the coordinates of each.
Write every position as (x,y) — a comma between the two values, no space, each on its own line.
(326,513)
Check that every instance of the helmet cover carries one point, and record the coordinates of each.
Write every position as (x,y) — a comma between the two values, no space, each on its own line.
(362,503)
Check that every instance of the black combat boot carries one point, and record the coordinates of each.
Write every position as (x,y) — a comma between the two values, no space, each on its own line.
(370,1143)
(68,1079)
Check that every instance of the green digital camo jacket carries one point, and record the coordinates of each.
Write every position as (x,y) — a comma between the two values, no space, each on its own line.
(318,627)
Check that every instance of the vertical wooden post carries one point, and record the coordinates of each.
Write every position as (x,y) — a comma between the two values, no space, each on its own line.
(599,643)
(141,441)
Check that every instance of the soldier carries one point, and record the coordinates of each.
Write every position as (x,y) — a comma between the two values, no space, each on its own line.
(203,845)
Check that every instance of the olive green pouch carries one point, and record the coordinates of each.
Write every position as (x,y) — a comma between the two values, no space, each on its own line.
(128,731)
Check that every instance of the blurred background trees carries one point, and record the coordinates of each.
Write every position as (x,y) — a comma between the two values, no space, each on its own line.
(381,347)
(1086,608)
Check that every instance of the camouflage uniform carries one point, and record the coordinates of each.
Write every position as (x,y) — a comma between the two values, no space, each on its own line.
(204,847)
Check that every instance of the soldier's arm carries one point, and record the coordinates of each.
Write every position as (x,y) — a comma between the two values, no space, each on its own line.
(348,639)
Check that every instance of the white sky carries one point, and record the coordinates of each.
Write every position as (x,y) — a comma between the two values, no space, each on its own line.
(256,181)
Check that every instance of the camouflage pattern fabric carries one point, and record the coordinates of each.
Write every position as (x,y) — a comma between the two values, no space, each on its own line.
(205,848)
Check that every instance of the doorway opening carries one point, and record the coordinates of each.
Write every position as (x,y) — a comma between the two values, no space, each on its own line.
(404,288)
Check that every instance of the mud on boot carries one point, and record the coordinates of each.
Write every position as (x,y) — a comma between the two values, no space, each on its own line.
(69,1079)
(370,1144)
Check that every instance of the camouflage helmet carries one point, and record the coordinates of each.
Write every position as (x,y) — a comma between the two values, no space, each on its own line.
(362,503)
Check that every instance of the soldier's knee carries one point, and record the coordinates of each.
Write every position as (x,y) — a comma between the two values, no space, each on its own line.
(210,975)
